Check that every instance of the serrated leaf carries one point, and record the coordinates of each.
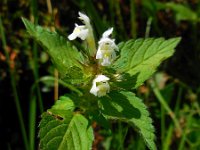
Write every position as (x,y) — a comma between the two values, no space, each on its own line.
(126,106)
(69,134)
(63,54)
(74,75)
(62,107)
(140,58)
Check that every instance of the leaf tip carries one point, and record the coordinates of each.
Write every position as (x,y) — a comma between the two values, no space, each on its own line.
(30,27)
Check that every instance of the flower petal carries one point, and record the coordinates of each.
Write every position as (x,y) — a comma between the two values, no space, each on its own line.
(72,36)
(79,31)
(94,90)
(99,54)
(102,88)
(101,78)
(107,33)
(83,35)
(84,18)
(106,61)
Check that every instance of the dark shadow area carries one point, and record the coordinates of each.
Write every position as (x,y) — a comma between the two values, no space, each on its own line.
(117,105)
(128,82)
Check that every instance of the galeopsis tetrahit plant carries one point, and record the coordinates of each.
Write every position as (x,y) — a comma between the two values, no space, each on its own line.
(101,76)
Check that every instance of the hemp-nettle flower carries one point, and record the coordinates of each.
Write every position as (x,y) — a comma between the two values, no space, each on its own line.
(79,31)
(106,50)
(100,86)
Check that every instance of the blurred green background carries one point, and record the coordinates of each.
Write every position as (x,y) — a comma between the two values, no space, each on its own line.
(26,90)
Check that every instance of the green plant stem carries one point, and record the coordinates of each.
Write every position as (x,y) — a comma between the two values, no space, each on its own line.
(119,16)
(178,100)
(162,124)
(32,122)
(14,88)
(33,98)
(36,76)
(51,78)
(34,12)
(121,147)
(148,27)
(166,143)
(133,19)
(183,138)
(122,135)
(165,105)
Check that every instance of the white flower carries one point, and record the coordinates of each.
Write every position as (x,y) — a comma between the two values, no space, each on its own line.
(100,86)
(107,33)
(106,50)
(79,31)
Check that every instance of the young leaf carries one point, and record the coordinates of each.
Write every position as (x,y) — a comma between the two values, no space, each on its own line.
(64,56)
(126,106)
(72,133)
(62,107)
(140,58)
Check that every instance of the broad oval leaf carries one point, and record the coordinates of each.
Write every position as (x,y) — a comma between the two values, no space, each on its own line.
(139,58)
(72,133)
(127,107)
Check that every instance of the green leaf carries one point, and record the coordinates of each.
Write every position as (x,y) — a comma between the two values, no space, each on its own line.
(97,116)
(66,58)
(127,107)
(74,75)
(139,58)
(62,107)
(72,133)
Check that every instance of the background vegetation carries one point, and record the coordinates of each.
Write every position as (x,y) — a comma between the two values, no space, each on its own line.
(172,95)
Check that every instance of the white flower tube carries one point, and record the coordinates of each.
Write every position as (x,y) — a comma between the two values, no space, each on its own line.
(106,50)
(100,86)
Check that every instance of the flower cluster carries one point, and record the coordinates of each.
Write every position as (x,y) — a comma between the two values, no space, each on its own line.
(105,53)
